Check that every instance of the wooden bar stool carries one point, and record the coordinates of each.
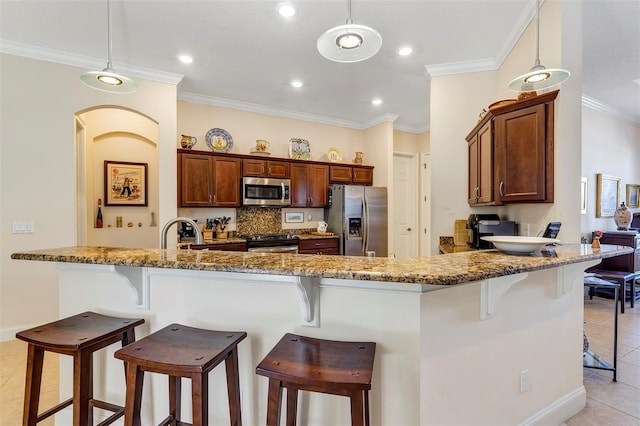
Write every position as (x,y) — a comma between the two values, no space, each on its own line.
(78,336)
(316,365)
(180,351)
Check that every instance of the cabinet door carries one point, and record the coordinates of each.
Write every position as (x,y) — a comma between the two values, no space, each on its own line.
(362,175)
(255,168)
(485,164)
(521,155)
(195,185)
(318,178)
(227,175)
(299,185)
(340,174)
(480,183)
(278,169)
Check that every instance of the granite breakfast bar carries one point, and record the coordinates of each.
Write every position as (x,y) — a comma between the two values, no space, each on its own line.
(453,332)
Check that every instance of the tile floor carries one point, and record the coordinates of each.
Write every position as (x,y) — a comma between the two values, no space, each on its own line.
(608,403)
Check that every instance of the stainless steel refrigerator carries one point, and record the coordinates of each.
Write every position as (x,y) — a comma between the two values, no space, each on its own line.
(359,215)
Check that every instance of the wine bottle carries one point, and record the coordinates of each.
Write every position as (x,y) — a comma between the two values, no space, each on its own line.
(99,216)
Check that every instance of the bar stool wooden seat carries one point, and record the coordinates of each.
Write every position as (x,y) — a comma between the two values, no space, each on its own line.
(180,351)
(78,336)
(316,365)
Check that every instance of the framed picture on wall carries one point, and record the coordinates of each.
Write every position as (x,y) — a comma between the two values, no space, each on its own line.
(633,196)
(125,184)
(607,195)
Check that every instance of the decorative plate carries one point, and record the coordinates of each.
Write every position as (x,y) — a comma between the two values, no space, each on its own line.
(219,140)
(334,154)
(299,149)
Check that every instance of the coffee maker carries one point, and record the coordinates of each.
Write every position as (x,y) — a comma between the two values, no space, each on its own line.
(484,225)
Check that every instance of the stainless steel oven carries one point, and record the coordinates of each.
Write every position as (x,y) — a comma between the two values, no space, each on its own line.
(266,192)
(272,243)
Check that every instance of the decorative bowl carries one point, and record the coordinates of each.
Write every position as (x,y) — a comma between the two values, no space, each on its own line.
(519,245)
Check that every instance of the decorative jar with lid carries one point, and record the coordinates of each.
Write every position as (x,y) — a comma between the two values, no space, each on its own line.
(622,217)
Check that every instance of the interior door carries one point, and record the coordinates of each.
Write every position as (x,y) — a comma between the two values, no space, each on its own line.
(405,212)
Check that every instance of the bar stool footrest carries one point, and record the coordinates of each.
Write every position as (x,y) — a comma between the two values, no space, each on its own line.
(54,410)
(117,410)
(169,422)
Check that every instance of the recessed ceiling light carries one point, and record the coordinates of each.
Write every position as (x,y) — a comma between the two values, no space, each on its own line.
(404,51)
(286,10)
(297,83)
(185,59)
(376,101)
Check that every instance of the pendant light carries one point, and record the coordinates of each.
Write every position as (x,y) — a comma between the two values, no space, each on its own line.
(538,77)
(108,80)
(349,42)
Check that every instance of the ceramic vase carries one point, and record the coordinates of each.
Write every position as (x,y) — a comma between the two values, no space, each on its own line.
(622,217)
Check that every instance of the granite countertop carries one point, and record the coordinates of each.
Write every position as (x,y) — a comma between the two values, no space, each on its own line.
(446,246)
(317,236)
(439,270)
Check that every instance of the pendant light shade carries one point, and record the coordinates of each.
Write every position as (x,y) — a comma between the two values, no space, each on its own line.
(108,80)
(538,77)
(349,42)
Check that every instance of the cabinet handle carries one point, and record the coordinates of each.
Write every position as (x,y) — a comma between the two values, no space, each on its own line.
(502,189)
(209,198)
(215,198)
(476,192)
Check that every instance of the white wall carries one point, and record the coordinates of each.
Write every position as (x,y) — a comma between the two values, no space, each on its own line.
(37,173)
(458,99)
(610,146)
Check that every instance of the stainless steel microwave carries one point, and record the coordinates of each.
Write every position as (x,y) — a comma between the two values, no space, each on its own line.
(266,192)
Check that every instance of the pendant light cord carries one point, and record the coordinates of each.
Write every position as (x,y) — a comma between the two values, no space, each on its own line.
(109,46)
(349,20)
(537,63)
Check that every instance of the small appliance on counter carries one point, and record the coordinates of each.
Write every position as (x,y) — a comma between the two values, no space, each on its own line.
(186,232)
(485,225)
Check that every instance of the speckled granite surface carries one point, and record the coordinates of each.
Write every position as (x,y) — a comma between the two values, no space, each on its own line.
(440,270)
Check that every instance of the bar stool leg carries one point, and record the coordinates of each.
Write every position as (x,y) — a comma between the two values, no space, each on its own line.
(133,399)
(366,408)
(357,409)
(274,401)
(82,392)
(199,398)
(233,388)
(35,360)
(292,406)
(175,396)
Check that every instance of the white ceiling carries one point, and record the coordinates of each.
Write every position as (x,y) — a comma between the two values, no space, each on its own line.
(245,54)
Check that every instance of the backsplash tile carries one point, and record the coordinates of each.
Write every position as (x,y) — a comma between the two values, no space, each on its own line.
(256,220)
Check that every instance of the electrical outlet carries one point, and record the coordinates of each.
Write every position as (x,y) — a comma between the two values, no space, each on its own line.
(524,381)
(22,228)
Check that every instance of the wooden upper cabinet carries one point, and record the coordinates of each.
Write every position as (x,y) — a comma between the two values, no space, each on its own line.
(309,185)
(511,154)
(265,168)
(348,174)
(206,180)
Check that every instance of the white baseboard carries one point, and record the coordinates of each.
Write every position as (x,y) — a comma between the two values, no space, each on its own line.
(559,411)
(7,334)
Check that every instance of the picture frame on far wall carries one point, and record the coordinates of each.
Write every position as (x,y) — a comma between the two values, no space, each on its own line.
(633,196)
(295,217)
(607,195)
(125,183)
(583,195)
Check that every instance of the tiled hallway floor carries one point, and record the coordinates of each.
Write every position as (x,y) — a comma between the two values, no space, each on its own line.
(608,403)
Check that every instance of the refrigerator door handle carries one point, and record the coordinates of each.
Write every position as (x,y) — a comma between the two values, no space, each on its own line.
(365,226)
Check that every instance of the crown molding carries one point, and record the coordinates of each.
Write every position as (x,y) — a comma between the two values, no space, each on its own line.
(437,70)
(596,105)
(28,51)
(280,112)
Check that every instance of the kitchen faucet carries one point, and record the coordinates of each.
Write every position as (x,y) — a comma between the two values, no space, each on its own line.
(165,228)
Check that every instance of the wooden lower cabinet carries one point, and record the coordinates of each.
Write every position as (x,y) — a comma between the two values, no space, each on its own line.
(319,246)
(309,185)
